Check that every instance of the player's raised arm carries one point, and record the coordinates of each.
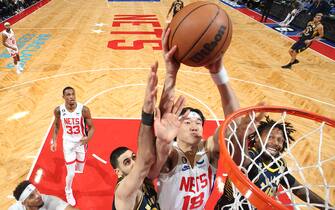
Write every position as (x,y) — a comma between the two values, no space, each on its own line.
(229,102)
(172,66)
(126,192)
(53,143)
(220,77)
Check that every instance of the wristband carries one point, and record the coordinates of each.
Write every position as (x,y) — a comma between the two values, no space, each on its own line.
(221,77)
(147,119)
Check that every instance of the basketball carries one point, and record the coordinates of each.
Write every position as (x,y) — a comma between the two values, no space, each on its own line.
(202,32)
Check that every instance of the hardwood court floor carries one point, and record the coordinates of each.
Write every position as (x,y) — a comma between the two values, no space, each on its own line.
(109,80)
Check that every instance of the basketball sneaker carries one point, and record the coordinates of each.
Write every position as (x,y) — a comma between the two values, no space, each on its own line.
(19,69)
(287,66)
(70,199)
(295,61)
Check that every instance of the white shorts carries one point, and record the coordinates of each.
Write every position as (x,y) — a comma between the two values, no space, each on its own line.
(74,152)
(12,52)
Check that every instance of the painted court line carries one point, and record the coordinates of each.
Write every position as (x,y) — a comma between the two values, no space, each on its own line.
(99,159)
(67,74)
(61,28)
(40,149)
(193,72)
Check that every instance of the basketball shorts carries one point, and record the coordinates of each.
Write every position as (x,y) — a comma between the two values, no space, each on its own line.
(12,52)
(299,46)
(74,151)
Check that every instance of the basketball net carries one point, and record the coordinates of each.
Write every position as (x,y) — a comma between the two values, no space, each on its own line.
(310,159)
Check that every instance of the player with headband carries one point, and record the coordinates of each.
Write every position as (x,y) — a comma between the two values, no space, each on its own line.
(29,198)
(187,167)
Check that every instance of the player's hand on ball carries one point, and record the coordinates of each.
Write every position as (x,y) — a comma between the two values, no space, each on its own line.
(215,67)
(172,65)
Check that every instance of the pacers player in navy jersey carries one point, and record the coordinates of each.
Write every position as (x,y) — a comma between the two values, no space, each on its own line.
(313,31)
(134,190)
(176,6)
(275,145)
(78,130)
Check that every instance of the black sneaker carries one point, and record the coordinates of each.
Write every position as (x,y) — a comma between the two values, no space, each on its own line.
(287,66)
(295,61)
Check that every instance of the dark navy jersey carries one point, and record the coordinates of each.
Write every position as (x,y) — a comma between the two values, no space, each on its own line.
(263,176)
(310,31)
(148,200)
(178,5)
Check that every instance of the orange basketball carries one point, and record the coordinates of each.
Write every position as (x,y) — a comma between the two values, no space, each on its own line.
(202,32)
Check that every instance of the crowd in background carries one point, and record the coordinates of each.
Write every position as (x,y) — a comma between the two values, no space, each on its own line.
(8,8)
(326,7)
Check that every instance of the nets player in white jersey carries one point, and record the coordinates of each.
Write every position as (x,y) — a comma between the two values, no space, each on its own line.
(78,130)
(187,168)
(29,198)
(8,40)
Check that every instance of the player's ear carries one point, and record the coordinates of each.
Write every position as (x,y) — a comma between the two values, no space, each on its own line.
(118,172)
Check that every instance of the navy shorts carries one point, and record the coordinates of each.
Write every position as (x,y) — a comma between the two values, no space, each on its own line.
(299,46)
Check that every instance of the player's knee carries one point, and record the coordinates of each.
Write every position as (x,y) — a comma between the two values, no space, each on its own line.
(70,173)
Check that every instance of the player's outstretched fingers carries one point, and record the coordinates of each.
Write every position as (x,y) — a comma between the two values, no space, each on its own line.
(169,106)
(165,40)
(178,105)
(157,114)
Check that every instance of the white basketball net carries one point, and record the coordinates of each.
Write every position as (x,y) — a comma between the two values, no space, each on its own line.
(310,159)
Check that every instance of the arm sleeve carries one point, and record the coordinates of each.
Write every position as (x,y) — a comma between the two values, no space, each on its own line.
(54,203)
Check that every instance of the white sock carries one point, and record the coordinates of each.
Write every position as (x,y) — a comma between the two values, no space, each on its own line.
(291,19)
(286,19)
(69,177)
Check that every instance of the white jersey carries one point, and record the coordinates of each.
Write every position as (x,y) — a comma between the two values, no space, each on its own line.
(185,187)
(50,203)
(11,41)
(73,123)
